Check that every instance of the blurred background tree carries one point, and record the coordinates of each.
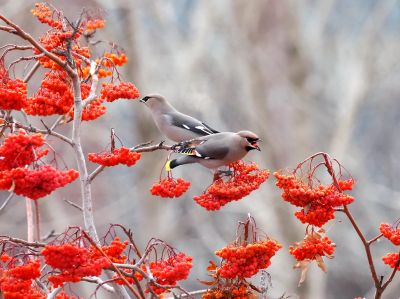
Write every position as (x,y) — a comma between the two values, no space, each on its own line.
(307,76)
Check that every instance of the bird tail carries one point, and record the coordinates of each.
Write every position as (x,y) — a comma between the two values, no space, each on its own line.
(171,164)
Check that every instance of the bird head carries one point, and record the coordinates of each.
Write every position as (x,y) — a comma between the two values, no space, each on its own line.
(154,101)
(249,140)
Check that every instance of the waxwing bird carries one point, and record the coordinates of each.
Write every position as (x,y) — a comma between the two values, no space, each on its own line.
(173,124)
(215,150)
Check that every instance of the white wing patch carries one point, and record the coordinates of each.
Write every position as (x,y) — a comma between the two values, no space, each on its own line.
(204,129)
(186,127)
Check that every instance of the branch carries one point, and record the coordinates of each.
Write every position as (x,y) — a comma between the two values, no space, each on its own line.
(375,239)
(139,149)
(95,81)
(53,293)
(366,247)
(48,131)
(100,282)
(32,71)
(190,294)
(22,242)
(15,29)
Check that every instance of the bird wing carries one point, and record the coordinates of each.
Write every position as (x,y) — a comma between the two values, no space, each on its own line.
(211,147)
(190,123)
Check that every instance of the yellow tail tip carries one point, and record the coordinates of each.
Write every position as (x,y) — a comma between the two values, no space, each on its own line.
(168,166)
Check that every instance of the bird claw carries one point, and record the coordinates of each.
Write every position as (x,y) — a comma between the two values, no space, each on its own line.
(221,173)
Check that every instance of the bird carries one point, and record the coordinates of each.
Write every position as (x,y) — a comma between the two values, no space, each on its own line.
(214,151)
(173,124)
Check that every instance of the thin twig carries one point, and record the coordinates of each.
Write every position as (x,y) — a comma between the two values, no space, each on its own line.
(10,196)
(22,242)
(32,71)
(99,281)
(15,29)
(74,204)
(189,294)
(49,131)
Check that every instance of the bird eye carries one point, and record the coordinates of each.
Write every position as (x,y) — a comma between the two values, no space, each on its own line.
(252,140)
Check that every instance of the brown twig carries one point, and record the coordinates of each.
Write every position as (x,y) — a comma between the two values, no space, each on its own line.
(15,29)
(22,242)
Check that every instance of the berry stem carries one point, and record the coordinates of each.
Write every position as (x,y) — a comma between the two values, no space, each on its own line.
(375,239)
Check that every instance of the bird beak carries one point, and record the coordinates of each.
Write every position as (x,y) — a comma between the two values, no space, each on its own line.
(255,146)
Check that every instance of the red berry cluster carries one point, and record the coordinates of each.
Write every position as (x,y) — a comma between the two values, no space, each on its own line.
(390,233)
(169,271)
(392,259)
(169,187)
(17,282)
(114,251)
(45,15)
(5,258)
(36,183)
(12,92)
(94,24)
(124,90)
(174,268)
(95,109)
(114,59)
(74,263)
(244,261)
(121,155)
(62,295)
(20,150)
(233,291)
(246,178)
(53,97)
(312,247)
(317,202)
(315,215)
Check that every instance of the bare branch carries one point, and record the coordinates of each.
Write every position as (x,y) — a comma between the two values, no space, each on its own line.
(54,293)
(95,81)
(22,242)
(49,131)
(32,71)
(15,29)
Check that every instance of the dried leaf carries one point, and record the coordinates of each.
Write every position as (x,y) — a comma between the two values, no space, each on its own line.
(320,262)
(303,265)
(212,266)
(208,283)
